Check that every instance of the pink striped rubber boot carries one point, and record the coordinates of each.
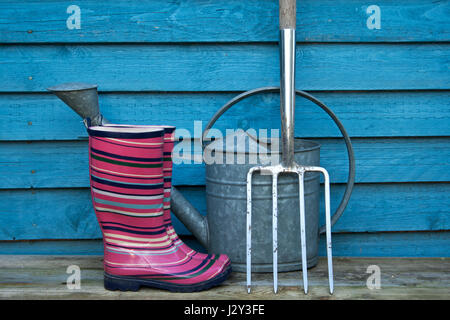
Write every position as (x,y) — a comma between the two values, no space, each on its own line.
(127,187)
(169,136)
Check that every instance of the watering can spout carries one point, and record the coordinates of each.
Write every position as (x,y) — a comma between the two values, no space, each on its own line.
(190,217)
(81,98)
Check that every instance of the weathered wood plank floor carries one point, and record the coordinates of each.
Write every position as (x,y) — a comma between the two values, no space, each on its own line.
(44,277)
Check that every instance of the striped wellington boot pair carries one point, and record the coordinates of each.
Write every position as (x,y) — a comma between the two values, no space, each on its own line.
(129,192)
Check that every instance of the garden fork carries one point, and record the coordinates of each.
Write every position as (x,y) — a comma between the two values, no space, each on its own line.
(287,164)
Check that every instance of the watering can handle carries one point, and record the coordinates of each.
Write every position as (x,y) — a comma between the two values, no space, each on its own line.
(351,158)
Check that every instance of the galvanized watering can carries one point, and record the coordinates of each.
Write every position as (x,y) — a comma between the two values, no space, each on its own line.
(223,229)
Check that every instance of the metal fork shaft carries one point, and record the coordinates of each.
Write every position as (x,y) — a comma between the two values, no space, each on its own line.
(287,95)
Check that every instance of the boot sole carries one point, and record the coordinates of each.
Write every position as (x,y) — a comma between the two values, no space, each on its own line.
(127,283)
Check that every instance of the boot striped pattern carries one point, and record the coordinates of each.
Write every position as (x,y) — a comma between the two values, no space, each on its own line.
(127,187)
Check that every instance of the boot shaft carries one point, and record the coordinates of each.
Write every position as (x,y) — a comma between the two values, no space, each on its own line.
(127,187)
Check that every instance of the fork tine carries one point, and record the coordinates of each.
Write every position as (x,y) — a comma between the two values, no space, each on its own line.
(328,229)
(301,192)
(275,230)
(327,223)
(249,230)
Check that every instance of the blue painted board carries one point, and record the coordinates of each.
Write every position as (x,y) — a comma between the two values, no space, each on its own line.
(396,244)
(69,247)
(53,247)
(389,244)
(65,164)
(221,21)
(375,207)
(218,67)
(36,116)
(68,213)
(47,214)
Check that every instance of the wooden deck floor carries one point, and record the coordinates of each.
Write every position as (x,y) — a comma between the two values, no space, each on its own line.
(44,277)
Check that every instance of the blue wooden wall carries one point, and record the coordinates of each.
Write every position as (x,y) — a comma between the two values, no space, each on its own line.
(178,61)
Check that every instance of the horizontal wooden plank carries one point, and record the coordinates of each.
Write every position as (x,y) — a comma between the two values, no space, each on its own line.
(79,247)
(39,116)
(218,67)
(65,164)
(395,244)
(375,207)
(48,214)
(58,247)
(36,277)
(68,213)
(389,244)
(377,160)
(220,20)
